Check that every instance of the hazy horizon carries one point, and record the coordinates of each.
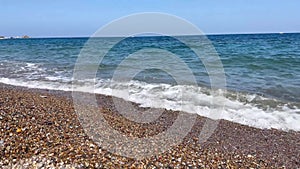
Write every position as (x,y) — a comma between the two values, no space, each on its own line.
(208,34)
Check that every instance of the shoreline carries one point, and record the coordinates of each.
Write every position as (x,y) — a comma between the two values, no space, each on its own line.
(41,125)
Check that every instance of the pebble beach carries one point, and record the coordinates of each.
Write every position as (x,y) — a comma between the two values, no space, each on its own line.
(40,129)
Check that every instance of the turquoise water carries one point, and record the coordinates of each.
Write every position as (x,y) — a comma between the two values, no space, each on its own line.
(262,70)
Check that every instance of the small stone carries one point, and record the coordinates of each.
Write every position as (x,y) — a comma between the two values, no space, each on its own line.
(49,123)
(19,130)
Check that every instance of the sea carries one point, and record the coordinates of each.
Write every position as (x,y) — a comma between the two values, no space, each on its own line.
(262,73)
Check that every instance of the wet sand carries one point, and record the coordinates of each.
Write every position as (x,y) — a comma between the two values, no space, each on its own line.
(39,128)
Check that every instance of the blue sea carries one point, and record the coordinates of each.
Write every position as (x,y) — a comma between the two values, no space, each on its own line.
(262,73)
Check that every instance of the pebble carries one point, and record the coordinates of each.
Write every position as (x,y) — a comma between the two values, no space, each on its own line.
(19,130)
(43,96)
(57,140)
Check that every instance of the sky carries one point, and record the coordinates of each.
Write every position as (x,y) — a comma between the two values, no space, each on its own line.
(73,18)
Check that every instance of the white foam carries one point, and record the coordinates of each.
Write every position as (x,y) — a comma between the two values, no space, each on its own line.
(31,65)
(36,84)
(195,100)
(52,78)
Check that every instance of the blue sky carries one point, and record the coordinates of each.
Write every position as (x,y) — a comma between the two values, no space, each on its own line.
(82,18)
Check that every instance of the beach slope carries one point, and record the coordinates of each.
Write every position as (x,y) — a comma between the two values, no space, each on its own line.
(40,128)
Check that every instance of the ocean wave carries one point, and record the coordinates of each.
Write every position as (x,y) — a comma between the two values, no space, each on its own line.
(249,109)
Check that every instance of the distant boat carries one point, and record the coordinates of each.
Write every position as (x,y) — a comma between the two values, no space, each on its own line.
(281,33)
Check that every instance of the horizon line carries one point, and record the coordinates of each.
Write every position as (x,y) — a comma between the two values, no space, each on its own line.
(208,34)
